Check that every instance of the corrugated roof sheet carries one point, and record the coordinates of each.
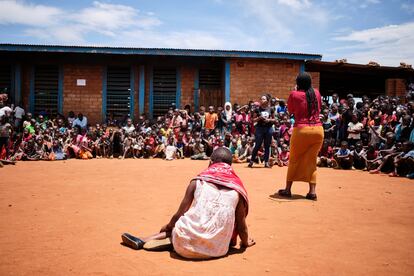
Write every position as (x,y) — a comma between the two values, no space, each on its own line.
(346,65)
(156,51)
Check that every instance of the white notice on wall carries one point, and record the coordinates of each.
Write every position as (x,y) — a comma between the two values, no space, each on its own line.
(81,82)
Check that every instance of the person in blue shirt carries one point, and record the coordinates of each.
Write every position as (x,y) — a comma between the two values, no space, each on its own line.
(343,157)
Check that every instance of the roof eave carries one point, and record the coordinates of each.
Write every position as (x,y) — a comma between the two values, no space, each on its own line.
(157,51)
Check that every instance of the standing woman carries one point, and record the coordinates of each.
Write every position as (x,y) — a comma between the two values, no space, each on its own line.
(264,120)
(307,137)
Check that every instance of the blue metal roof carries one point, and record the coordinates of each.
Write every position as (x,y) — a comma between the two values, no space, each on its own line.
(156,51)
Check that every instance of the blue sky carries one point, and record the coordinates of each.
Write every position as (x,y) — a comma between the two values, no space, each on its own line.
(358,30)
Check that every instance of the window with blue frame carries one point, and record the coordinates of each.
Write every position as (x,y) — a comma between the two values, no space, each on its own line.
(164,90)
(6,81)
(46,89)
(118,93)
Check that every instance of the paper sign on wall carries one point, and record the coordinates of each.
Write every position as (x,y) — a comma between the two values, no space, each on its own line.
(81,82)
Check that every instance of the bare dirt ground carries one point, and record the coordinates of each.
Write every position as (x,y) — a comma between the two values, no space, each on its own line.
(60,218)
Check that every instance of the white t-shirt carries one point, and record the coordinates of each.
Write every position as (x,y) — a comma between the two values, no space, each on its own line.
(170,152)
(5,110)
(80,123)
(128,129)
(374,138)
(205,230)
(19,112)
(355,127)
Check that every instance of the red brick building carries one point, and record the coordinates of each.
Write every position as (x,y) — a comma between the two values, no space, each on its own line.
(119,82)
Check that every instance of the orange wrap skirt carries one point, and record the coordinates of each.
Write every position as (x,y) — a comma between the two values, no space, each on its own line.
(305,145)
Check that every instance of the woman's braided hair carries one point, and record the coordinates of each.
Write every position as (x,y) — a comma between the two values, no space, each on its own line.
(304,82)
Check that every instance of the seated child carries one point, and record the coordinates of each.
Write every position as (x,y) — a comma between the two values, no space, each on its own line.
(199,229)
(343,157)
(57,152)
(160,144)
(242,151)
(249,150)
(85,152)
(188,144)
(149,145)
(29,151)
(98,146)
(139,146)
(325,156)
(227,139)
(284,155)
(286,131)
(371,158)
(180,144)
(274,153)
(233,147)
(127,145)
(198,150)
(220,144)
(386,163)
(359,155)
(404,163)
(170,150)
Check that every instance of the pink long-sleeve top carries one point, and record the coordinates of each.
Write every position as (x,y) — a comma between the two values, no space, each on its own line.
(298,106)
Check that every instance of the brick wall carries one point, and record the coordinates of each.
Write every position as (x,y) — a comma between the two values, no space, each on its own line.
(315,79)
(395,87)
(249,79)
(187,86)
(86,99)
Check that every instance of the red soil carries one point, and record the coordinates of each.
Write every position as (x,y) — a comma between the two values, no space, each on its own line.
(59,218)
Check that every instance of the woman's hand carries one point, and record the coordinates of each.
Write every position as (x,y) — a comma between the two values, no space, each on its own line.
(250,243)
(166,228)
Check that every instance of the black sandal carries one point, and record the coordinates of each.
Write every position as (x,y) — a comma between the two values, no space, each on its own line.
(132,242)
(311,197)
(284,193)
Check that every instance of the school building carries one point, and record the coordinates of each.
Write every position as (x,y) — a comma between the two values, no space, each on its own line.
(121,82)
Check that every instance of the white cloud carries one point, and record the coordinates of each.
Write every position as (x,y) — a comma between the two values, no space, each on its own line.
(13,12)
(295,4)
(112,17)
(116,25)
(280,20)
(387,45)
(50,24)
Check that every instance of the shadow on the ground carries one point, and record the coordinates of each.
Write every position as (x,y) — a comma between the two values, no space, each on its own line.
(294,197)
(174,255)
(232,251)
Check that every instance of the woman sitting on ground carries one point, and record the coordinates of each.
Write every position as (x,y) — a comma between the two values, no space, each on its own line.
(210,217)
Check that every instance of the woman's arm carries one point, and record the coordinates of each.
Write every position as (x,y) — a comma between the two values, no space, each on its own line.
(184,206)
(242,226)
